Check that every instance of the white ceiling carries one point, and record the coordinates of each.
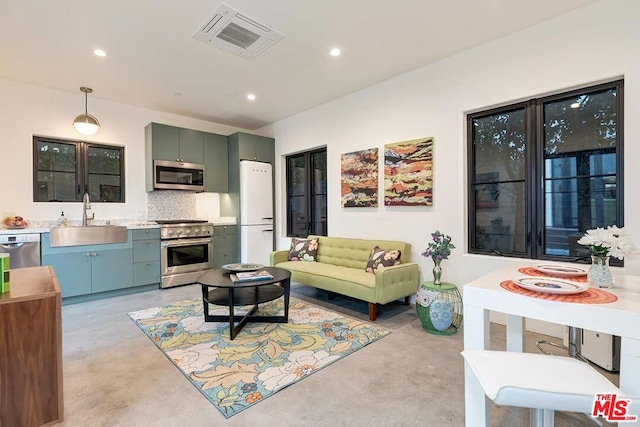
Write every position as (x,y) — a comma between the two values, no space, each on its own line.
(152,54)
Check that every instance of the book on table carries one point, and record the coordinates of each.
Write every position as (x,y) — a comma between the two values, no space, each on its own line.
(247,276)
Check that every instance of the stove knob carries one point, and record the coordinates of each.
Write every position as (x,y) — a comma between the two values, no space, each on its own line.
(170,232)
(196,231)
(187,232)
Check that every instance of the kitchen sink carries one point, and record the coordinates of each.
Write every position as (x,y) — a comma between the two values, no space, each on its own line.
(88,235)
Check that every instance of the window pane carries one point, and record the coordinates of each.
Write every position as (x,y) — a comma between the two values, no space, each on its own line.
(499,146)
(104,188)
(297,176)
(319,208)
(56,186)
(104,160)
(54,156)
(500,217)
(580,138)
(298,216)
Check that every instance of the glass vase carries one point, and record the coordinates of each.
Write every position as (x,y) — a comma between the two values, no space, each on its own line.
(437,272)
(599,275)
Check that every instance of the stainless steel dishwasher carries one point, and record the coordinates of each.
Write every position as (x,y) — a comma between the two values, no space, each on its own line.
(24,249)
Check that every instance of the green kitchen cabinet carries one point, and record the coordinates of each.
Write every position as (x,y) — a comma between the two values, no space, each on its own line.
(216,166)
(89,269)
(191,143)
(111,269)
(246,146)
(146,256)
(225,245)
(73,271)
(174,144)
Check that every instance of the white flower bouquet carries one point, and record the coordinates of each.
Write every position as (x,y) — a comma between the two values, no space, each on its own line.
(610,241)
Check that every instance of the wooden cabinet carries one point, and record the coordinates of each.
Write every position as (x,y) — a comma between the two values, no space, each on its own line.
(31,388)
(146,256)
(225,245)
(88,269)
(174,144)
(216,166)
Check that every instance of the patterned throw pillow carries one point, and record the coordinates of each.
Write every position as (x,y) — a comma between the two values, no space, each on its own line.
(381,258)
(303,249)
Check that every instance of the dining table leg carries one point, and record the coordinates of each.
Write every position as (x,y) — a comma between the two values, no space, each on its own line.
(476,336)
(630,366)
(515,333)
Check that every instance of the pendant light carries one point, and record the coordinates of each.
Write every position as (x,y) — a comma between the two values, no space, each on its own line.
(85,123)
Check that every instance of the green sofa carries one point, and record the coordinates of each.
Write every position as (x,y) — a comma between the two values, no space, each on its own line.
(340,268)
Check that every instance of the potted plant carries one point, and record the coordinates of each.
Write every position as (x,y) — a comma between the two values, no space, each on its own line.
(438,249)
(439,305)
(604,243)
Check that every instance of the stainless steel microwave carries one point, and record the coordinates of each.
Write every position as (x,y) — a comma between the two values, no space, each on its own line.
(177,176)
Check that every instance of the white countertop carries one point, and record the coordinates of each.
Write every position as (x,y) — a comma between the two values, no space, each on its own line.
(45,226)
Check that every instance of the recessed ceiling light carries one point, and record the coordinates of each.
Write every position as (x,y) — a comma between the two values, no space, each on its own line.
(251,97)
(335,52)
(575,105)
(99,52)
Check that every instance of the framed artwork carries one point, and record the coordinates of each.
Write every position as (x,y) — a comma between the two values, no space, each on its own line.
(408,173)
(359,178)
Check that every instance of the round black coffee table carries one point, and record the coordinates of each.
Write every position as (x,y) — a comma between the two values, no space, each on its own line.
(232,294)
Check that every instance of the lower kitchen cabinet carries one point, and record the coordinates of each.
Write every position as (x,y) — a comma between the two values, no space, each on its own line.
(146,256)
(225,245)
(87,269)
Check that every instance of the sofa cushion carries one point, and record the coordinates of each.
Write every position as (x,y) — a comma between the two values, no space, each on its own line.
(355,253)
(303,249)
(327,273)
(381,258)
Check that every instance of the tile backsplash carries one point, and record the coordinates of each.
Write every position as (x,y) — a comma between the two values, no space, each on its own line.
(171,204)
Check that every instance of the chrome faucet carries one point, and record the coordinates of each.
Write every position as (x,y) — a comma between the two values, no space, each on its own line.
(86,205)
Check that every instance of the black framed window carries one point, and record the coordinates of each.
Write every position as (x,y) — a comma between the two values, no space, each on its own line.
(543,172)
(307,193)
(64,170)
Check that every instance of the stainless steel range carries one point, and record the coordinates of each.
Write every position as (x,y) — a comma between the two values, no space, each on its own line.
(186,250)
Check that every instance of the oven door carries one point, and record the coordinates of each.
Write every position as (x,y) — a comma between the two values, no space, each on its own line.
(186,255)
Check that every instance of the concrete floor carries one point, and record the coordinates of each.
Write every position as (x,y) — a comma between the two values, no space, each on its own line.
(115,376)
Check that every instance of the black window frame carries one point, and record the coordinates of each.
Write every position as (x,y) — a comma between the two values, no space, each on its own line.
(81,169)
(309,193)
(534,178)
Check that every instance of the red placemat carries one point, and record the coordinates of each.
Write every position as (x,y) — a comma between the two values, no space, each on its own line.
(590,296)
(530,271)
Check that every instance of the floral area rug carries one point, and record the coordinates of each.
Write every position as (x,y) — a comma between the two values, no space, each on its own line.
(263,358)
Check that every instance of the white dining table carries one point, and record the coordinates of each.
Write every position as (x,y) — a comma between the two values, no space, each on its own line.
(485,295)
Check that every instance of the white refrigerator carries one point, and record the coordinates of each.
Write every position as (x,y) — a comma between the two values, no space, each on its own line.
(256,212)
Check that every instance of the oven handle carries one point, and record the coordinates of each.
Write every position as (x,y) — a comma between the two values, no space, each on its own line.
(185,242)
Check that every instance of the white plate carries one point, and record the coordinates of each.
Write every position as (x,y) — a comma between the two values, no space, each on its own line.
(561,270)
(550,285)
(242,267)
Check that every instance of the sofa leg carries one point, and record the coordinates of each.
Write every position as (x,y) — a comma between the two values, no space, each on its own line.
(407,300)
(373,311)
(331,295)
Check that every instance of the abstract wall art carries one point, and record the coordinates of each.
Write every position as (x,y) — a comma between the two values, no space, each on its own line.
(359,171)
(408,173)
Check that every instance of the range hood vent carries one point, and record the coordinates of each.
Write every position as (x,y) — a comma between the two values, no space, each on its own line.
(237,33)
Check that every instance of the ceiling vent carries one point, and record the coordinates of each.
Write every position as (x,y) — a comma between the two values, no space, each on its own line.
(237,33)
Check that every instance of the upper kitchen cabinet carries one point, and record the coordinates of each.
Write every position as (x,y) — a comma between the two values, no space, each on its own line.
(244,146)
(216,167)
(174,144)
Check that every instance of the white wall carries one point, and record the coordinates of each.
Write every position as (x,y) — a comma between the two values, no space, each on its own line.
(596,43)
(30,110)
